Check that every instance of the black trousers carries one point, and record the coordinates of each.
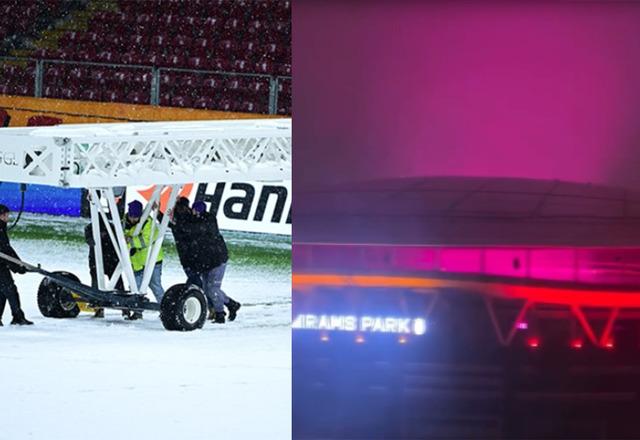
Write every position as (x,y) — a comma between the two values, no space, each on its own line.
(9,292)
(109,269)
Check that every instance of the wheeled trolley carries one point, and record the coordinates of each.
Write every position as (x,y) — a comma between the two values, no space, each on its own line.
(104,159)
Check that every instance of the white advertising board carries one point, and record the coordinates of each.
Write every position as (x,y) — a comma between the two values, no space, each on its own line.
(240,206)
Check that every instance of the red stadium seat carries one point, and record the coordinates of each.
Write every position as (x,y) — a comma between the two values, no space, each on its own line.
(284,87)
(5,118)
(49,92)
(181,101)
(186,26)
(195,7)
(182,41)
(247,107)
(264,67)
(167,81)
(224,104)
(69,93)
(200,43)
(165,98)
(113,42)
(107,56)
(52,74)
(134,58)
(40,53)
(283,69)
(42,120)
(220,65)
(211,86)
(143,19)
(84,55)
(122,76)
(152,59)
(168,21)
(258,87)
(91,95)
(92,38)
(98,77)
(210,26)
(78,74)
(242,66)
(256,27)
(271,50)
(22,90)
(250,49)
(174,7)
(141,79)
(138,97)
(233,26)
(159,41)
(204,102)
(191,81)
(137,41)
(113,96)
(226,47)
(128,58)
(175,61)
(196,63)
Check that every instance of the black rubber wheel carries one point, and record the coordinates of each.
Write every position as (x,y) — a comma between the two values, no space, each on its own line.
(55,301)
(183,308)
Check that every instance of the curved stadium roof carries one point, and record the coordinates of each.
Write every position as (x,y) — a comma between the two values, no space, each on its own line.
(469,211)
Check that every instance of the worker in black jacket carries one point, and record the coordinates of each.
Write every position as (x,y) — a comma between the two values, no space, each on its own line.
(8,289)
(110,258)
(182,226)
(211,256)
(203,255)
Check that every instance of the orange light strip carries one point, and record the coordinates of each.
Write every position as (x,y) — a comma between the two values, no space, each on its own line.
(540,294)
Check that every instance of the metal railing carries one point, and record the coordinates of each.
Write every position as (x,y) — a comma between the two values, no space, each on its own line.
(155,86)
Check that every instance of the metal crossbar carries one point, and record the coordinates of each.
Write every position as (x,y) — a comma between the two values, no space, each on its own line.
(110,155)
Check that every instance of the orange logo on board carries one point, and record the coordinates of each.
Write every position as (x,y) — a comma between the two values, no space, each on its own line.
(164,196)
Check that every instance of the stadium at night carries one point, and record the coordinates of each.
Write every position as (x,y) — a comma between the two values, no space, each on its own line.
(423,293)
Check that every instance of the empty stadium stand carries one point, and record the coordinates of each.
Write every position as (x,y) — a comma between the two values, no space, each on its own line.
(25,18)
(230,55)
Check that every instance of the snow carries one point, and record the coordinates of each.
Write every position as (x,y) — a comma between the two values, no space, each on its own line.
(104,379)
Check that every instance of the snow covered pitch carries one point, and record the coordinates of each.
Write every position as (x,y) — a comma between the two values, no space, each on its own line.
(108,378)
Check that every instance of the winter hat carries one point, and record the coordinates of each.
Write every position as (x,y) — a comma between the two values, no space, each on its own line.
(182,201)
(135,209)
(4,209)
(199,207)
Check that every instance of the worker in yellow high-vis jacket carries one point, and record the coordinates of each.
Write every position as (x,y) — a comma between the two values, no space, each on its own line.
(139,248)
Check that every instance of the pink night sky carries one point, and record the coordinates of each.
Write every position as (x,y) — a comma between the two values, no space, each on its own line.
(547,91)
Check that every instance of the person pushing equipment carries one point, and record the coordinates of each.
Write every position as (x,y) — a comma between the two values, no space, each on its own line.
(8,289)
(203,255)
(212,263)
(109,258)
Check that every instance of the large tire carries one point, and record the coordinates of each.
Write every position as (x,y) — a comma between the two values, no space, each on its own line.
(55,301)
(183,308)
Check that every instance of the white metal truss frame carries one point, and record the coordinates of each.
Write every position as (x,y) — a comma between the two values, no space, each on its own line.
(116,234)
(101,157)
(111,155)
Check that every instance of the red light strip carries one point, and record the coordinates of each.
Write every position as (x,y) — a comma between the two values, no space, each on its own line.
(573,297)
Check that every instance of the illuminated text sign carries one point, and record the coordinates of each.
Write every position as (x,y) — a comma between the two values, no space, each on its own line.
(369,324)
